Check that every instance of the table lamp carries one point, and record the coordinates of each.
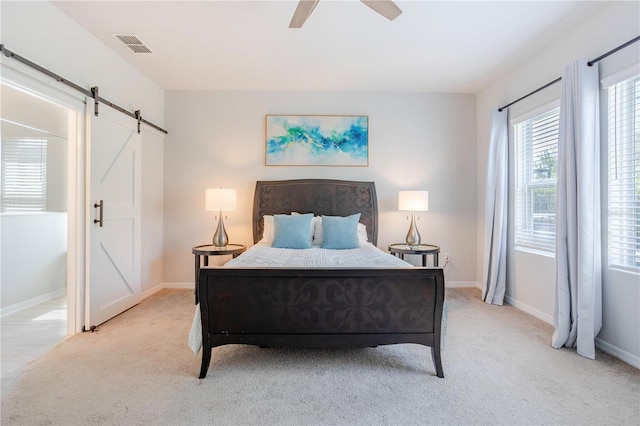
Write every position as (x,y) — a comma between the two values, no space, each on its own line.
(220,199)
(413,201)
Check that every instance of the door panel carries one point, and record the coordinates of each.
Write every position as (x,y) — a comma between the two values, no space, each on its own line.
(114,283)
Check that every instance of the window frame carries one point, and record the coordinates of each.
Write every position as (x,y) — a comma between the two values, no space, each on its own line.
(524,240)
(613,260)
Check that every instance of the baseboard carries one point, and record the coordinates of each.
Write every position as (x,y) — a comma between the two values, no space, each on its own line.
(530,310)
(605,347)
(615,351)
(461,284)
(151,291)
(12,309)
(190,286)
(63,292)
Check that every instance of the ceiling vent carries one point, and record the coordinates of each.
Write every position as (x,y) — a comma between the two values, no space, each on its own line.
(133,43)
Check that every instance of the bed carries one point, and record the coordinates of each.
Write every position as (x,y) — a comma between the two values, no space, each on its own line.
(332,303)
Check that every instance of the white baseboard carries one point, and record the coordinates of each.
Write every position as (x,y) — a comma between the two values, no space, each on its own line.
(461,284)
(63,292)
(530,310)
(151,291)
(12,309)
(190,286)
(606,347)
(615,351)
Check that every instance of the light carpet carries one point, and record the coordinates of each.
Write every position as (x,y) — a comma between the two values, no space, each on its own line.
(498,363)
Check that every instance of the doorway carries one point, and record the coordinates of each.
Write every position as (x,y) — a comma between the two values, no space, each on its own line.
(37,223)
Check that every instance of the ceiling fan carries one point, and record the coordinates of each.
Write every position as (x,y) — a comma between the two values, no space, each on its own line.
(386,8)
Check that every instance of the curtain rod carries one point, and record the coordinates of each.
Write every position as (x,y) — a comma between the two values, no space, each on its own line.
(590,63)
(93,93)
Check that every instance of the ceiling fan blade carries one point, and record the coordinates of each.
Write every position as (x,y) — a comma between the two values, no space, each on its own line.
(386,8)
(304,9)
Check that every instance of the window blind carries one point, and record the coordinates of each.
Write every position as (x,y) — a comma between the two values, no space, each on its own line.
(624,174)
(24,175)
(536,143)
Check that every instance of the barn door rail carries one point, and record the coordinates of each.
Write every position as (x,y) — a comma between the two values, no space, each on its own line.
(92,93)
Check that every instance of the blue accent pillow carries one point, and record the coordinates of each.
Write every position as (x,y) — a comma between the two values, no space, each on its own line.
(294,232)
(339,233)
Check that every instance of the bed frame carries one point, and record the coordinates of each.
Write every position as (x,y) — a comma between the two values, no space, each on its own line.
(320,308)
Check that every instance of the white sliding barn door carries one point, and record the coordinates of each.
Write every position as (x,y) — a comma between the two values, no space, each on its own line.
(113,276)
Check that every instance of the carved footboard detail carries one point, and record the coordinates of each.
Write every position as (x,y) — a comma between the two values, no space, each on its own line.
(321,308)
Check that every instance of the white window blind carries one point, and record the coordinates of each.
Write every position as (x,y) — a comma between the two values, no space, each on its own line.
(24,175)
(624,174)
(536,158)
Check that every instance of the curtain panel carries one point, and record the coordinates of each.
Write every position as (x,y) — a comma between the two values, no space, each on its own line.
(494,269)
(578,305)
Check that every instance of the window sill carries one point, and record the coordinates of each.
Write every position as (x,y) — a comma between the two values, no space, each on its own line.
(624,269)
(530,250)
(11,214)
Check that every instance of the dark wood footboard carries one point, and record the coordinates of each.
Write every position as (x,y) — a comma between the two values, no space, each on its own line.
(321,308)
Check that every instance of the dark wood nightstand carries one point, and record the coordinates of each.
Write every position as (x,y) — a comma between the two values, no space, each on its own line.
(206,250)
(424,250)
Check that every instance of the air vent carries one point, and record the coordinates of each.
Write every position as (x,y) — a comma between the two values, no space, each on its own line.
(133,43)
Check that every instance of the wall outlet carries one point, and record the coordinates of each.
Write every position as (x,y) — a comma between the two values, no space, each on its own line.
(447,257)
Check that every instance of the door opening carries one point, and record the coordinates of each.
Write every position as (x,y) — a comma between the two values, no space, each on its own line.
(38,210)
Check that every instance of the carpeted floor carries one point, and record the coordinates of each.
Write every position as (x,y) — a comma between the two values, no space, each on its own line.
(498,364)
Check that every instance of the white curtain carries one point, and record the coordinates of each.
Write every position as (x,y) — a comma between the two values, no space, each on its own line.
(578,307)
(495,228)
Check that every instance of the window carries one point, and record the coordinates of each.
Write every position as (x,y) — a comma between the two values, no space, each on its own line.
(624,174)
(24,175)
(536,160)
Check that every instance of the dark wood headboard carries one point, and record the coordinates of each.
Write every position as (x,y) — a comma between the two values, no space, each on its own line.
(318,196)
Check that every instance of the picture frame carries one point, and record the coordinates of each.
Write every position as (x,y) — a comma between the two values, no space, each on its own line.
(317,140)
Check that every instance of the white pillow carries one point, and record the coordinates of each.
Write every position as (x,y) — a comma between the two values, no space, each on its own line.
(362,233)
(317,232)
(267,233)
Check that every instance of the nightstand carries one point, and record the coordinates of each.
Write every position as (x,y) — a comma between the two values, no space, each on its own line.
(424,250)
(206,250)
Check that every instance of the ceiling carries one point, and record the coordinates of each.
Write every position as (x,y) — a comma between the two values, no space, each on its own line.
(433,46)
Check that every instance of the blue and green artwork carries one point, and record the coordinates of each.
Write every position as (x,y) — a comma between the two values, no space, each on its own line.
(317,140)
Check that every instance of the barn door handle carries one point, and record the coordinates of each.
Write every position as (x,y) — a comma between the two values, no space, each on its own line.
(100,207)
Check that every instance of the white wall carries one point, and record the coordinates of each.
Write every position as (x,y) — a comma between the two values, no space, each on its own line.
(531,279)
(416,141)
(34,248)
(42,33)
(152,208)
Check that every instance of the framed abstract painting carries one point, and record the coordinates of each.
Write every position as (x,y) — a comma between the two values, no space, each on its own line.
(317,140)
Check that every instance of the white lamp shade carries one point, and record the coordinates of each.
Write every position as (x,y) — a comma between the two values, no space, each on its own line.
(416,201)
(220,199)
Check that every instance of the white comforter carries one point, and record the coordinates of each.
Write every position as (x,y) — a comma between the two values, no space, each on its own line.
(367,256)
(263,255)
